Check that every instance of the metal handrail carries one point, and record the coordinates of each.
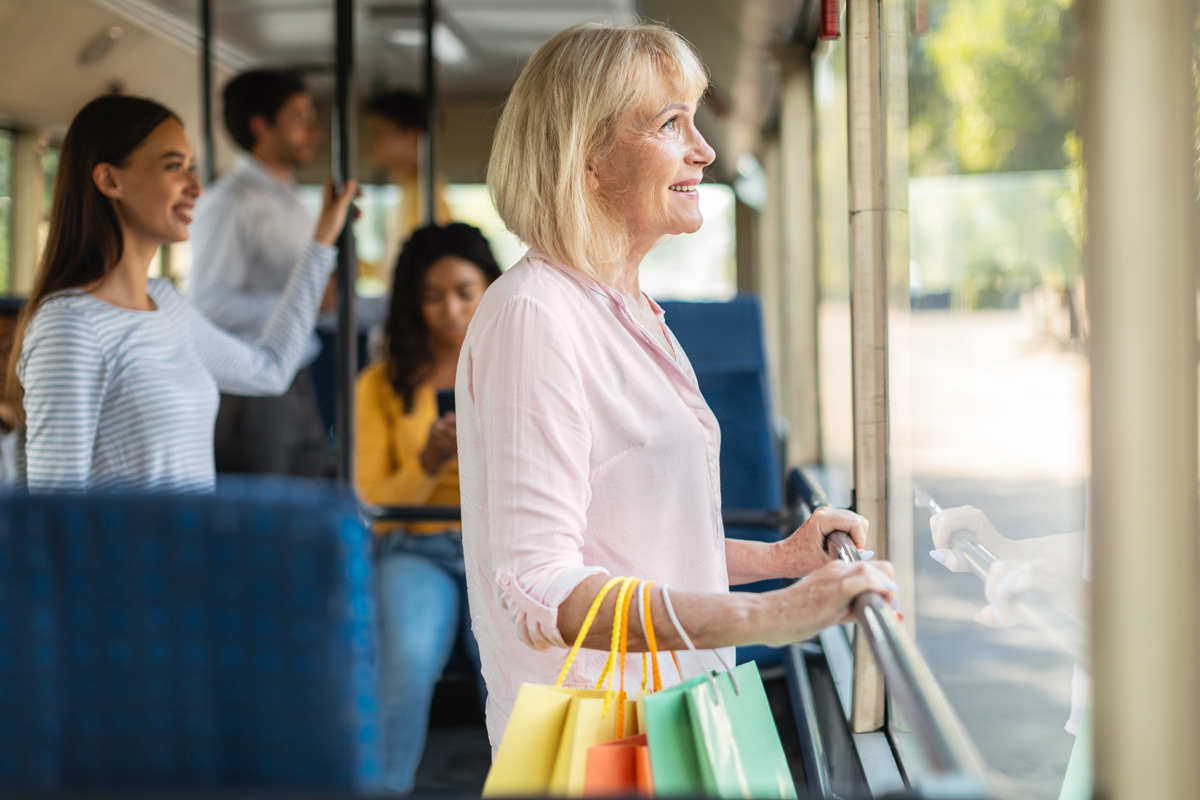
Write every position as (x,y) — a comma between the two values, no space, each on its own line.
(908,678)
(1064,629)
(767,519)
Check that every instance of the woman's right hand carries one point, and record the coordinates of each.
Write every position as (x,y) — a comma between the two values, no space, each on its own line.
(441,446)
(334,208)
(824,598)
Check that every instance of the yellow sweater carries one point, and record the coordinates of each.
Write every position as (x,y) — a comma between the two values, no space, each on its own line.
(390,441)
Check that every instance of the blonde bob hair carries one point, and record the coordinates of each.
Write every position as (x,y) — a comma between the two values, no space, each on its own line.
(563,113)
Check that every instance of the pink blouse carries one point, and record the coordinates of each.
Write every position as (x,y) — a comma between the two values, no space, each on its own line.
(584,448)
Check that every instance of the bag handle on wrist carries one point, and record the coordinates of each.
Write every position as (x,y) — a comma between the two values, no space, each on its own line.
(666,596)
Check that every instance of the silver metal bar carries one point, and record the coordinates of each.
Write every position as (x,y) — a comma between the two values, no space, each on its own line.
(816,760)
(341,146)
(428,176)
(908,678)
(206,89)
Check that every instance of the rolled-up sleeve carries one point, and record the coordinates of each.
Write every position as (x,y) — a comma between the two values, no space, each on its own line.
(526,389)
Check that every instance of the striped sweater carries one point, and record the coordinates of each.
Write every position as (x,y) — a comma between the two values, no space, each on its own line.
(116,398)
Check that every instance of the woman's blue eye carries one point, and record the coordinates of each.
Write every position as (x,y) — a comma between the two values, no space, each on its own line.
(669,125)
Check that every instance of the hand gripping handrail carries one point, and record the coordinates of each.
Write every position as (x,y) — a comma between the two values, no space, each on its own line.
(908,678)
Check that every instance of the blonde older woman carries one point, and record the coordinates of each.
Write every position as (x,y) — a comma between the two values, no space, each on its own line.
(585,447)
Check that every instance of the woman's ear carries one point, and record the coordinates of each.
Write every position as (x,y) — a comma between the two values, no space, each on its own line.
(593,181)
(107,181)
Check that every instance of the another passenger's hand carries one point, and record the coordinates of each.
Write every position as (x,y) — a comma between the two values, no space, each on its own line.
(804,551)
(442,445)
(334,208)
(973,521)
(824,598)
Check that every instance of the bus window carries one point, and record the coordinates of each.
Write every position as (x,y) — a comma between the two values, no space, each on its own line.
(5,209)
(992,410)
(700,266)
(833,266)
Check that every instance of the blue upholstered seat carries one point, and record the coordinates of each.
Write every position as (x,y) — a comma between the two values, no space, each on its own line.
(724,341)
(224,640)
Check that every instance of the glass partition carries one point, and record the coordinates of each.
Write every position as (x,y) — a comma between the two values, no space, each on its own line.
(6,147)
(990,409)
(833,268)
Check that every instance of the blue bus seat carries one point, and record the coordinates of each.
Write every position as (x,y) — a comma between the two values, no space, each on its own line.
(188,641)
(724,341)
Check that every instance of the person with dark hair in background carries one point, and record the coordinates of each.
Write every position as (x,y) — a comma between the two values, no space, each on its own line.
(250,227)
(407,455)
(114,376)
(396,124)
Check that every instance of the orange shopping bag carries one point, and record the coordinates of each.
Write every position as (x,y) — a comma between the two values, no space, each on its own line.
(622,768)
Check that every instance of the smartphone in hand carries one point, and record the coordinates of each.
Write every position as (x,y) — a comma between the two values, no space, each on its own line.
(445,402)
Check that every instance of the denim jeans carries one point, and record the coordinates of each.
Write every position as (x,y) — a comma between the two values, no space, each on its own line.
(423,611)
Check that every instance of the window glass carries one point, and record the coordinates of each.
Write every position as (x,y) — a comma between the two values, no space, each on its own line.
(700,266)
(992,409)
(833,267)
(6,143)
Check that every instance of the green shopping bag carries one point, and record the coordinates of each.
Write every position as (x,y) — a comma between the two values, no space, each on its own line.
(736,743)
(667,722)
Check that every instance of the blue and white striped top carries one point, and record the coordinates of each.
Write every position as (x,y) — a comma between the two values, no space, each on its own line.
(116,398)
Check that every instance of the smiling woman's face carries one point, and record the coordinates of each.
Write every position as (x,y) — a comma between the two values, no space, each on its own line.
(156,187)
(650,178)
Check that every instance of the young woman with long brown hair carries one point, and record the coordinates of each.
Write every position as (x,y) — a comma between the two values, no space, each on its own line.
(115,376)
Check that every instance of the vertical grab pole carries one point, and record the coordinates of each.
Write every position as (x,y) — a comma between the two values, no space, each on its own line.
(428,178)
(206,109)
(341,147)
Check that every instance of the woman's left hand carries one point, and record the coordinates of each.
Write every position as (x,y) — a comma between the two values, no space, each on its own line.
(804,551)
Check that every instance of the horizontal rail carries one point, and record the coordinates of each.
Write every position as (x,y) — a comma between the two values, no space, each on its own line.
(908,678)
(767,519)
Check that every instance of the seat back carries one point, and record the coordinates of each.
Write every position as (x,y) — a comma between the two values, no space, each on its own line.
(196,641)
(724,342)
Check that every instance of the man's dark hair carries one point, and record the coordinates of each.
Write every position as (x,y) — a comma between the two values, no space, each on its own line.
(404,108)
(258,93)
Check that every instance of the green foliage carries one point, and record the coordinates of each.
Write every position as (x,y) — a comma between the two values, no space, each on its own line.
(993,87)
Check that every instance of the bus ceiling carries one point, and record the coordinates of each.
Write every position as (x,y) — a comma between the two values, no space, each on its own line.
(153,48)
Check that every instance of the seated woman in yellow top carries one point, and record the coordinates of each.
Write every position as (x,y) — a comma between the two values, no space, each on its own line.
(407,455)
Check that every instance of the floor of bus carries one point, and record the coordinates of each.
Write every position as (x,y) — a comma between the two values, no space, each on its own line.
(457,754)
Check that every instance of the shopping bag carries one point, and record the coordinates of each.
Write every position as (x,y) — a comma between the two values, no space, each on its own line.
(619,769)
(737,744)
(674,764)
(622,768)
(550,728)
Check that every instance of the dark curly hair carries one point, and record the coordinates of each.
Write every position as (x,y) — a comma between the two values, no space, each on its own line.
(409,355)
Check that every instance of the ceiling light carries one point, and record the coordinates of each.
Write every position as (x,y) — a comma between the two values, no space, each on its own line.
(447,47)
(99,46)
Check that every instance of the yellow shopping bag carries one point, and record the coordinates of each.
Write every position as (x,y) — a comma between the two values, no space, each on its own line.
(550,728)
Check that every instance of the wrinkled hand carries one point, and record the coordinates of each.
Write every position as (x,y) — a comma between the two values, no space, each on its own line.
(334,208)
(804,551)
(973,521)
(824,598)
(442,445)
